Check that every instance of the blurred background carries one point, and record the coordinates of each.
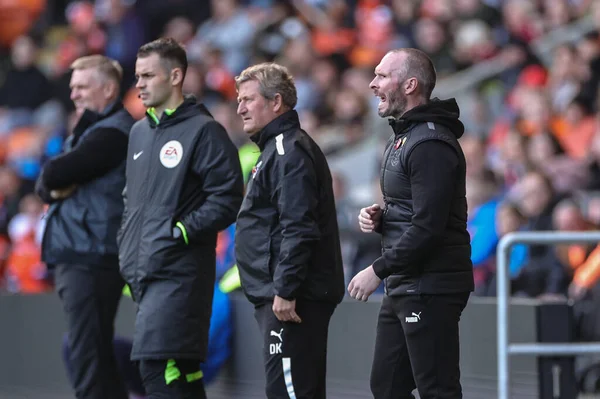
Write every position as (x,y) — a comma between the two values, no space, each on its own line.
(525,74)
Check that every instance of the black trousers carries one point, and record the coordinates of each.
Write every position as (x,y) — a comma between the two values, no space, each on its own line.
(90,297)
(417,346)
(295,354)
(172,379)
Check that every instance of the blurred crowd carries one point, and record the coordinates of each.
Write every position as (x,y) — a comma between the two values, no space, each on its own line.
(532,141)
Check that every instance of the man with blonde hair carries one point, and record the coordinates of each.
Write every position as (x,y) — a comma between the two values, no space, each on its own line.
(287,239)
(84,188)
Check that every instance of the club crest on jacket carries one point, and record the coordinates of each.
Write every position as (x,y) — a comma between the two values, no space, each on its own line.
(255,169)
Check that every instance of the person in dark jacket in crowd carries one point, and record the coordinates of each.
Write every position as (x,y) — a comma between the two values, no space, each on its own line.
(426,248)
(83,186)
(287,239)
(184,185)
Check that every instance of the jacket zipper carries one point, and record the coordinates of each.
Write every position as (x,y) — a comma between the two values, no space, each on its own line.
(385,164)
(397,139)
(145,198)
(385,208)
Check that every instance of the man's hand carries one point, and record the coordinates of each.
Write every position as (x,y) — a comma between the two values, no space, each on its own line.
(577,292)
(369,218)
(364,284)
(285,310)
(63,193)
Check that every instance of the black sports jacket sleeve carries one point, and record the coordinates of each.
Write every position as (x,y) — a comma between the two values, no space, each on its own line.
(217,163)
(103,150)
(296,195)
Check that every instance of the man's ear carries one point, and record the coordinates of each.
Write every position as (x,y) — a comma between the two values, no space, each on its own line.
(410,86)
(277,103)
(110,89)
(176,76)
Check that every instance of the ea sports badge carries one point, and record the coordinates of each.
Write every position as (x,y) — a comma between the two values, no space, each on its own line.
(171,154)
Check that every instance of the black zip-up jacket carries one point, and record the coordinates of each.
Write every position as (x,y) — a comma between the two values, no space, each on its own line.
(81,229)
(183,174)
(426,246)
(287,239)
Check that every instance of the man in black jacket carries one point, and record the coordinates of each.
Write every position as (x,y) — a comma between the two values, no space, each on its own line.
(426,247)
(184,185)
(84,186)
(287,240)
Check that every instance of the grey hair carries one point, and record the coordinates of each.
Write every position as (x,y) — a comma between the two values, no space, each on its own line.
(272,78)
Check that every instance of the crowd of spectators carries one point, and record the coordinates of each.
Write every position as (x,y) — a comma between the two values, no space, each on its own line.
(532,141)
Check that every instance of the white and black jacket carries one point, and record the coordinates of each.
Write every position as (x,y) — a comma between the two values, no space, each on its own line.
(287,239)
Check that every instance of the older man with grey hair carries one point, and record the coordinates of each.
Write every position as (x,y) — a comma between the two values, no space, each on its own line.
(287,239)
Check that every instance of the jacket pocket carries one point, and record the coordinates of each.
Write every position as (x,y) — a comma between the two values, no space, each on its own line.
(128,242)
(77,234)
(253,254)
(273,250)
(158,248)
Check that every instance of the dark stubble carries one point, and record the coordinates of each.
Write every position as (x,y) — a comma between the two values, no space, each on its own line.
(396,102)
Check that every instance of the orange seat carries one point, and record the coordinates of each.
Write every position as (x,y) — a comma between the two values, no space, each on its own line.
(17,17)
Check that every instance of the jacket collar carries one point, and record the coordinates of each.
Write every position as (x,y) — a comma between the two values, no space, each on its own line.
(189,107)
(399,126)
(286,121)
(152,113)
(88,118)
